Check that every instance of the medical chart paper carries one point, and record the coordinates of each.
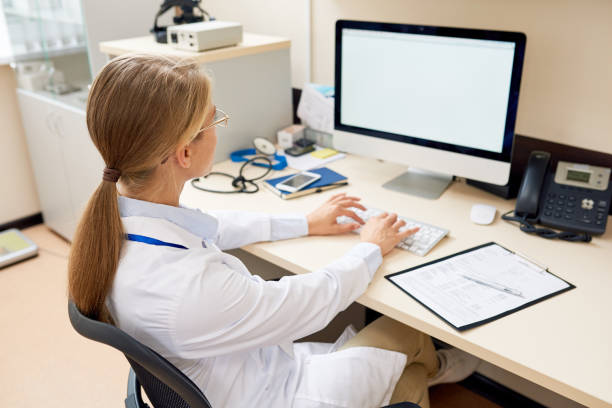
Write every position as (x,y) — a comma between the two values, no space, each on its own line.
(478,285)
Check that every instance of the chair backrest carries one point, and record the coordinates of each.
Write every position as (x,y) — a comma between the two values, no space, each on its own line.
(165,385)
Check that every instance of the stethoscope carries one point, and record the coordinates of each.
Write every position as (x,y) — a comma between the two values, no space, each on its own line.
(267,152)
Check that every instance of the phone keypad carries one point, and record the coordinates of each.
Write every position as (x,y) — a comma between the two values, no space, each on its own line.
(568,207)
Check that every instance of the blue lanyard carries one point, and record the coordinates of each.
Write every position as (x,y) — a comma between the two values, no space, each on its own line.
(152,241)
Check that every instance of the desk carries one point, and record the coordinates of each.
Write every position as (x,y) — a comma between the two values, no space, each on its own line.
(563,343)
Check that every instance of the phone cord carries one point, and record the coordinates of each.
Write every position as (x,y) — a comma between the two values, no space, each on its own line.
(548,233)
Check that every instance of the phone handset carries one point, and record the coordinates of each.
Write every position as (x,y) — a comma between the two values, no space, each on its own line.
(528,199)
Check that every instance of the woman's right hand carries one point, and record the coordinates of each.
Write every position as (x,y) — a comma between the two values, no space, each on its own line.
(384,231)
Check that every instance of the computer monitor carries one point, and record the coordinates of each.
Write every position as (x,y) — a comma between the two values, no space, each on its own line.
(441,100)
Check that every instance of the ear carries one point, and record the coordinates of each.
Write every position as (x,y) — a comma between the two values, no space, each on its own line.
(184,156)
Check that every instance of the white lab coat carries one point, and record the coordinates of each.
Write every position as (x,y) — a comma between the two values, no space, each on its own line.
(231,332)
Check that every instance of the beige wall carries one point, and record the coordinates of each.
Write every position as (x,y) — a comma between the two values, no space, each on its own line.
(18,196)
(566,91)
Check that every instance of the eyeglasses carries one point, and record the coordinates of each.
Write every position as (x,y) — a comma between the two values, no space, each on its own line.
(219,120)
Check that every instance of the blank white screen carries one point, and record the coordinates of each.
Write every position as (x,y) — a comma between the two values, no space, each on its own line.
(444,89)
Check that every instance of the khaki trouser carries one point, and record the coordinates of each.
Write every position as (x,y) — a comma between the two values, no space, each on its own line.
(422,363)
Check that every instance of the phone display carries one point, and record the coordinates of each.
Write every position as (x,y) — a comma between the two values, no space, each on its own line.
(298,182)
(577,175)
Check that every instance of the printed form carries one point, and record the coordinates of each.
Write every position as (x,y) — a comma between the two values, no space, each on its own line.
(478,285)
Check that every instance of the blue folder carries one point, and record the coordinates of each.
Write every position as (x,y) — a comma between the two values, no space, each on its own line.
(329,178)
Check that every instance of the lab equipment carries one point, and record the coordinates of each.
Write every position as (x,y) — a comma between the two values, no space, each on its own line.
(206,35)
(419,243)
(186,15)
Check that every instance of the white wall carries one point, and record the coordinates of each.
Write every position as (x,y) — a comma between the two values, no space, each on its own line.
(113,20)
(289,19)
(18,196)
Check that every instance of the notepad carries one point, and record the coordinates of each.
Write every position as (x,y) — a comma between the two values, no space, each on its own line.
(324,153)
(479,285)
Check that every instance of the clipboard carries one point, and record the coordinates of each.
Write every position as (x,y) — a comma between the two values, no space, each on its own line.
(447,300)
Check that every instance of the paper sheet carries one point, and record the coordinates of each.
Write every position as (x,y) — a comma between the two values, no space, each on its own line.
(315,109)
(444,288)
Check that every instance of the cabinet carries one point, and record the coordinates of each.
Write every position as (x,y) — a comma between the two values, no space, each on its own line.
(67,167)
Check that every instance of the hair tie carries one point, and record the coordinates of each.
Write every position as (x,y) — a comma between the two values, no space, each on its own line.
(111,175)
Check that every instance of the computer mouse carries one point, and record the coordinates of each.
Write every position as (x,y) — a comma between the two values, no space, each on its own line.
(482,214)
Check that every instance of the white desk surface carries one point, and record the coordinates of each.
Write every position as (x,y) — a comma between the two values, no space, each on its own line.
(563,343)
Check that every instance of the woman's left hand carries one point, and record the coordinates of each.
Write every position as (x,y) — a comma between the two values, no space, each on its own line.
(322,221)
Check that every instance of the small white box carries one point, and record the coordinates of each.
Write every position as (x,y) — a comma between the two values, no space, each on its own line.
(206,35)
(288,135)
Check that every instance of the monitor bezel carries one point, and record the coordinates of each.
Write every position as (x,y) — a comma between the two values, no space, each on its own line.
(519,39)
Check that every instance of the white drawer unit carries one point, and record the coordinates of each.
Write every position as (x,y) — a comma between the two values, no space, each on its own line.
(67,166)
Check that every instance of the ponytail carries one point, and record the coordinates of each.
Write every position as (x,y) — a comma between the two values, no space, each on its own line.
(95,252)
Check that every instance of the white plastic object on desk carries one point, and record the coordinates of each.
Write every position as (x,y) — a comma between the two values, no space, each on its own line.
(289,135)
(482,214)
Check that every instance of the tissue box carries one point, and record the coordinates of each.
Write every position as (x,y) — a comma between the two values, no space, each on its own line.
(288,136)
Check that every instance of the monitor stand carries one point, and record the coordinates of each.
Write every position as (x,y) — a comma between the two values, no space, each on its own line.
(421,183)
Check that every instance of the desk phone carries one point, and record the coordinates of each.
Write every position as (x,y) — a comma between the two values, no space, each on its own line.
(576,197)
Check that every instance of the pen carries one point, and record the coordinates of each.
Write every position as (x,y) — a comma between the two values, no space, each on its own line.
(495,286)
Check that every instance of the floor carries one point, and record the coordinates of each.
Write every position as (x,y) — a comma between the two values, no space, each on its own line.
(43,362)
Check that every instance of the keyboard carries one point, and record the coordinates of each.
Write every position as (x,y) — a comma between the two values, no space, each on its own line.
(420,243)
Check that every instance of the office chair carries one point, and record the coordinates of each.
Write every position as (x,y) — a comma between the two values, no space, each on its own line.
(165,385)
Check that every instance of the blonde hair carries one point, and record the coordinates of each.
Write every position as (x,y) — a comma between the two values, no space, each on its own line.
(140,109)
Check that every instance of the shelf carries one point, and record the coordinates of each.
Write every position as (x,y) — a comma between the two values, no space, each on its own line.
(44,16)
(251,44)
(50,53)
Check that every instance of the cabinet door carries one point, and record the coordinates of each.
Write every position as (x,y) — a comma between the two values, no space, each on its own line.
(82,162)
(39,118)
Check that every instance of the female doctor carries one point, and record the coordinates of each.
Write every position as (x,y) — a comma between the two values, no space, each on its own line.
(158,271)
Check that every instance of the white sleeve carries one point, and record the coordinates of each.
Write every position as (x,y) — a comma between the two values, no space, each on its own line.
(240,228)
(225,311)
